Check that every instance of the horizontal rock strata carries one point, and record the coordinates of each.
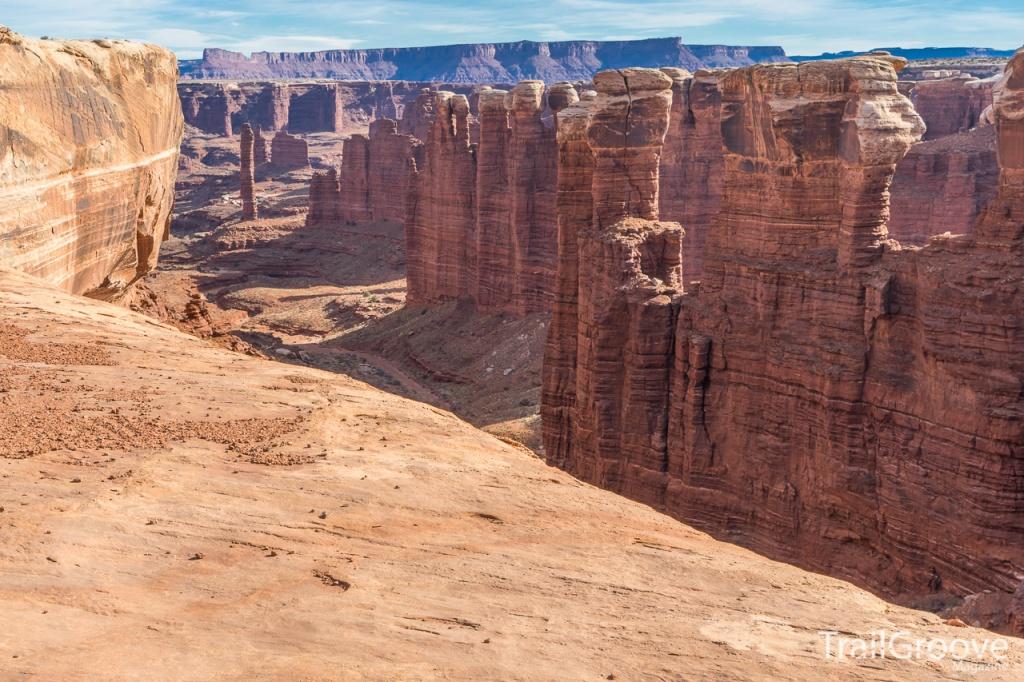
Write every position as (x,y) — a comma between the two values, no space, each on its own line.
(822,396)
(89,135)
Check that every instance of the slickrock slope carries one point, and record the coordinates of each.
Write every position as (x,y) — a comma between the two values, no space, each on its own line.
(478,63)
(942,186)
(951,105)
(89,135)
(822,396)
(257,519)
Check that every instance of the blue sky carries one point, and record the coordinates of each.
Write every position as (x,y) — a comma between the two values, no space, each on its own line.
(800,26)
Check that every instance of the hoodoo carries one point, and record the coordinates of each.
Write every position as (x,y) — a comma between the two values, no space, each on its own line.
(86,186)
(247,174)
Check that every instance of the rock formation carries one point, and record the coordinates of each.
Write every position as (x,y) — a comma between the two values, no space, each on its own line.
(89,135)
(390,171)
(478,63)
(499,222)
(246,173)
(418,116)
(494,289)
(822,396)
(532,176)
(441,211)
(307,107)
(288,152)
(374,179)
(942,186)
(951,105)
(354,177)
(260,156)
(692,162)
(324,198)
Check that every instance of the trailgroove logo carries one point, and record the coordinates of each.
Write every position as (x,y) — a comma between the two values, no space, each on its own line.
(967,654)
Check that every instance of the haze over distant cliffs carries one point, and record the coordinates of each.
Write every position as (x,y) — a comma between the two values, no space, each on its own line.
(478,62)
(917,53)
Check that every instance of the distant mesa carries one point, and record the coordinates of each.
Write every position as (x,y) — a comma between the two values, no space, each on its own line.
(477,62)
(918,53)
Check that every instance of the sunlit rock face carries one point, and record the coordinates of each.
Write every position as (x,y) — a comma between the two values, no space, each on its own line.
(89,135)
(822,395)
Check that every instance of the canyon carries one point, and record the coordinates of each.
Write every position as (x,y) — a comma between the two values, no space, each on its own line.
(815,395)
(778,308)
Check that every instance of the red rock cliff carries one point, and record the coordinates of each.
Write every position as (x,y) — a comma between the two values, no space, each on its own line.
(692,162)
(504,259)
(822,396)
(951,105)
(89,135)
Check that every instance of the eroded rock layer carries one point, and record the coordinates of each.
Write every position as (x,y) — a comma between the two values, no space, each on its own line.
(942,185)
(89,135)
(289,151)
(500,223)
(692,162)
(479,62)
(822,396)
(951,105)
(304,107)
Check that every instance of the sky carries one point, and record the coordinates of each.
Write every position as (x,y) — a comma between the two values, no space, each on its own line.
(800,26)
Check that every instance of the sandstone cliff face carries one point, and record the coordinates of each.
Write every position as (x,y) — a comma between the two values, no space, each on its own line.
(692,162)
(89,135)
(942,186)
(951,105)
(441,211)
(822,396)
(289,151)
(499,223)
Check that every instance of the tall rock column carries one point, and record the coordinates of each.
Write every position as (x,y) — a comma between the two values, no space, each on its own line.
(629,286)
(441,228)
(532,175)
(575,212)
(355,185)
(494,290)
(247,174)
(388,176)
(692,167)
(872,141)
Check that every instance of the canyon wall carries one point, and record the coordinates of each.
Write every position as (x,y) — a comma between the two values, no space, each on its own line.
(692,162)
(221,108)
(477,63)
(89,135)
(951,105)
(943,185)
(480,216)
(821,396)
(373,181)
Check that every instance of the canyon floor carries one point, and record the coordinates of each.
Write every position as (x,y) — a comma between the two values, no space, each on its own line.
(175,510)
(333,297)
